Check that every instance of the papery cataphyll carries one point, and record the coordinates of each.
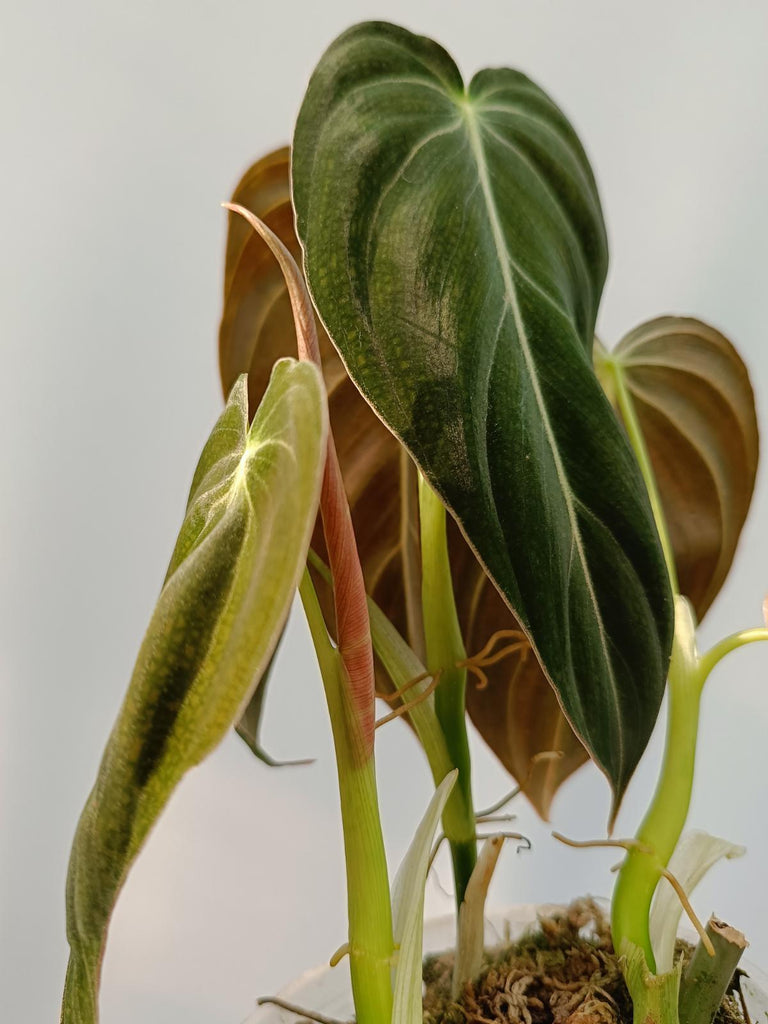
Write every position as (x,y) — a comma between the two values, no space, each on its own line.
(484,510)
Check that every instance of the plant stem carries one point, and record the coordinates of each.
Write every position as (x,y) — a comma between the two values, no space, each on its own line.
(371,945)
(730,643)
(629,416)
(654,996)
(666,816)
(706,978)
(663,824)
(665,819)
(444,649)
(402,665)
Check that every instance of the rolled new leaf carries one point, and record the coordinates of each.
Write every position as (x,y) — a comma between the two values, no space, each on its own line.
(231,579)
(455,251)
(695,405)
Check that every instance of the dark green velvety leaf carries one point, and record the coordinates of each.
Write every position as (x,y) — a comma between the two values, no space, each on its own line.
(233,573)
(455,251)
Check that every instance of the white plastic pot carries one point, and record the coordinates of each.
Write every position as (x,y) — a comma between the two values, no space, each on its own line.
(327,991)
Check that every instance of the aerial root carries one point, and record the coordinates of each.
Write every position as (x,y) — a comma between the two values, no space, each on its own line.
(543,755)
(524,843)
(639,847)
(500,634)
(339,955)
(625,844)
(390,698)
(299,1011)
(410,704)
(487,657)
(680,891)
(502,802)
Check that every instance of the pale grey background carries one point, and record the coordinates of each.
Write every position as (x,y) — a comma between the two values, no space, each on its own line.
(123,126)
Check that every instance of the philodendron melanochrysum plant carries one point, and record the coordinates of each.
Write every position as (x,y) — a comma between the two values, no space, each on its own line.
(483,509)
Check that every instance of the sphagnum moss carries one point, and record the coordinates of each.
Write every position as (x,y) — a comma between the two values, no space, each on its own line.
(563,972)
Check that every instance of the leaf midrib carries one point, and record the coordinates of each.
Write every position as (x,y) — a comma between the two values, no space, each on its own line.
(505,261)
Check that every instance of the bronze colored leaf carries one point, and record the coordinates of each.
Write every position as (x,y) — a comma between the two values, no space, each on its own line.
(696,409)
(517,714)
(256,329)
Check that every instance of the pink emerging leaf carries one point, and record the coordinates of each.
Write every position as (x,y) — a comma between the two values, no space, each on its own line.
(352,624)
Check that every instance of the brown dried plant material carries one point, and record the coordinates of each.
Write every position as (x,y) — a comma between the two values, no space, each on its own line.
(565,972)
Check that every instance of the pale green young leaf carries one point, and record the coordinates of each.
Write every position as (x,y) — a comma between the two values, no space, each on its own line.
(696,853)
(408,909)
(233,573)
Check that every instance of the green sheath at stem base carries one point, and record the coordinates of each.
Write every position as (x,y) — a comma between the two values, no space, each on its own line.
(654,996)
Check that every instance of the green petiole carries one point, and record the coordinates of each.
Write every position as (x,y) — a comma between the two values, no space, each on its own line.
(445,650)
(371,945)
(664,822)
(612,370)
(403,665)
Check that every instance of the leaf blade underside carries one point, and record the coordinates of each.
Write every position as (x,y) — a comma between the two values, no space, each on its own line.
(696,408)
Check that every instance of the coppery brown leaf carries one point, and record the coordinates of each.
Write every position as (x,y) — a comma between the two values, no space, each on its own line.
(517,713)
(696,409)
(256,329)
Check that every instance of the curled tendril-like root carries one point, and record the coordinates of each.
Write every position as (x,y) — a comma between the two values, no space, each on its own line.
(390,698)
(475,664)
(410,704)
(524,844)
(635,844)
(499,635)
(487,656)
